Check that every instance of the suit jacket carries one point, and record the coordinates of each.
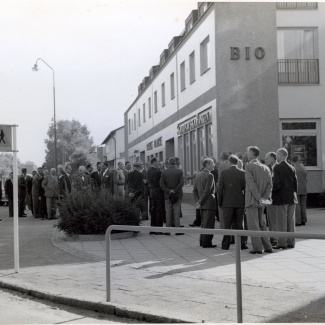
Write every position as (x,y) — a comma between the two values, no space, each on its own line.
(204,189)
(64,185)
(231,188)
(153,177)
(108,180)
(97,179)
(50,185)
(172,179)
(258,183)
(37,185)
(135,183)
(29,184)
(301,173)
(284,184)
(21,184)
(9,188)
(82,184)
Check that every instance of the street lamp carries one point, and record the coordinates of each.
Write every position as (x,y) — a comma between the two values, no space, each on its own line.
(35,68)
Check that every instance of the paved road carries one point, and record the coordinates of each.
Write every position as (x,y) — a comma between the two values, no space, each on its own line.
(35,311)
(35,244)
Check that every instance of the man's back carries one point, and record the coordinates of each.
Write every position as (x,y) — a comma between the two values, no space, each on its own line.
(172,179)
(258,182)
(231,188)
(204,188)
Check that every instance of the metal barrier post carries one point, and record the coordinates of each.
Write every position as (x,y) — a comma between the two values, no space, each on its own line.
(238,280)
(108,265)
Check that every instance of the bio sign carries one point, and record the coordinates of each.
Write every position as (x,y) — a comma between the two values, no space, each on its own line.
(5,138)
(194,122)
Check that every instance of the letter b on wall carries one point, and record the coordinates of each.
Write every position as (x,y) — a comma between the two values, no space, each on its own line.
(235,53)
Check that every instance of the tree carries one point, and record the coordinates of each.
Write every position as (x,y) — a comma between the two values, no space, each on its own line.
(74,144)
(6,162)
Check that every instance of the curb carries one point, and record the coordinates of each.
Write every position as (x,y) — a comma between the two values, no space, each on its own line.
(106,308)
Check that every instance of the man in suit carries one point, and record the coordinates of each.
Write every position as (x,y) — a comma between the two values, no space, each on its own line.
(284,194)
(36,192)
(97,177)
(89,169)
(22,193)
(258,187)
(107,178)
(64,183)
(171,182)
(29,186)
(157,206)
(126,172)
(300,213)
(119,180)
(231,199)
(145,189)
(270,161)
(50,186)
(82,181)
(9,192)
(204,195)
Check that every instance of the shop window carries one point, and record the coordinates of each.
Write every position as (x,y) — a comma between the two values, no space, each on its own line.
(209,140)
(192,67)
(172,86)
(163,102)
(188,156)
(182,67)
(194,151)
(205,55)
(202,142)
(302,138)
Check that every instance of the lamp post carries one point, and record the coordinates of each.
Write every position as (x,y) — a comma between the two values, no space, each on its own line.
(35,68)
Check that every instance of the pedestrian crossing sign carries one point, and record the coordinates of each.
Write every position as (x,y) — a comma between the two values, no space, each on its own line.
(5,138)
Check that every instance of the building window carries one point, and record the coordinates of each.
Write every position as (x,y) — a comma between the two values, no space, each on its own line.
(149,107)
(205,55)
(172,86)
(139,117)
(144,113)
(192,67)
(183,76)
(297,55)
(155,98)
(163,102)
(135,121)
(296,5)
(189,25)
(129,126)
(203,8)
(302,138)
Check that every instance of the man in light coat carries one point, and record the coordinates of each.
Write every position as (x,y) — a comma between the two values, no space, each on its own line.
(258,187)
(50,185)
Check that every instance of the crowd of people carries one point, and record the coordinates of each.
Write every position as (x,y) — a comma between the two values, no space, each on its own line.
(241,191)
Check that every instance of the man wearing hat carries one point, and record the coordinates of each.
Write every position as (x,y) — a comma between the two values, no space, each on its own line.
(171,182)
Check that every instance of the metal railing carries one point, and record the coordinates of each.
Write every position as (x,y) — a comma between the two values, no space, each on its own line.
(236,233)
(298,71)
(296,5)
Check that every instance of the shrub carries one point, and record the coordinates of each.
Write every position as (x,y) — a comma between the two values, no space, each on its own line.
(92,212)
(322,199)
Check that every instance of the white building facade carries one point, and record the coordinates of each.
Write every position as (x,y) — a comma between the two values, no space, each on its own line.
(227,82)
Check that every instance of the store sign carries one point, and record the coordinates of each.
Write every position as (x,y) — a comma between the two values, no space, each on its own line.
(150,146)
(194,123)
(235,53)
(157,142)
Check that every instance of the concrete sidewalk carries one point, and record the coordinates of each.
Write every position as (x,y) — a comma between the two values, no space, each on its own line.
(171,278)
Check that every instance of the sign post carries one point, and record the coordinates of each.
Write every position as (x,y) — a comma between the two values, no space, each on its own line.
(8,143)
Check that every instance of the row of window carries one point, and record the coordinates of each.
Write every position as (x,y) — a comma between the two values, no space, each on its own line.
(204,66)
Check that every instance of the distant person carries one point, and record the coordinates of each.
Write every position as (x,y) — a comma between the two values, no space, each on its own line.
(231,198)
(97,177)
(22,193)
(204,196)
(172,182)
(36,193)
(64,184)
(284,194)
(258,188)
(157,210)
(89,169)
(119,180)
(9,192)
(301,206)
(144,170)
(2,137)
(50,186)
(82,181)
(108,178)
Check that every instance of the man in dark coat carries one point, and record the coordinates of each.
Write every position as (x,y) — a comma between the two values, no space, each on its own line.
(171,182)
(64,183)
(284,195)
(108,178)
(231,199)
(157,206)
(97,177)
(36,192)
(22,192)
(204,195)
(9,192)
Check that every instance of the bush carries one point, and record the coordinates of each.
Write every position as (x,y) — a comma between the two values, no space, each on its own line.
(322,199)
(92,212)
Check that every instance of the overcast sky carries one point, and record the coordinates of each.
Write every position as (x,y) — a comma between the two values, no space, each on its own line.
(100,52)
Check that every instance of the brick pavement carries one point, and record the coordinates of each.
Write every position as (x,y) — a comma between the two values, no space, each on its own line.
(171,276)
